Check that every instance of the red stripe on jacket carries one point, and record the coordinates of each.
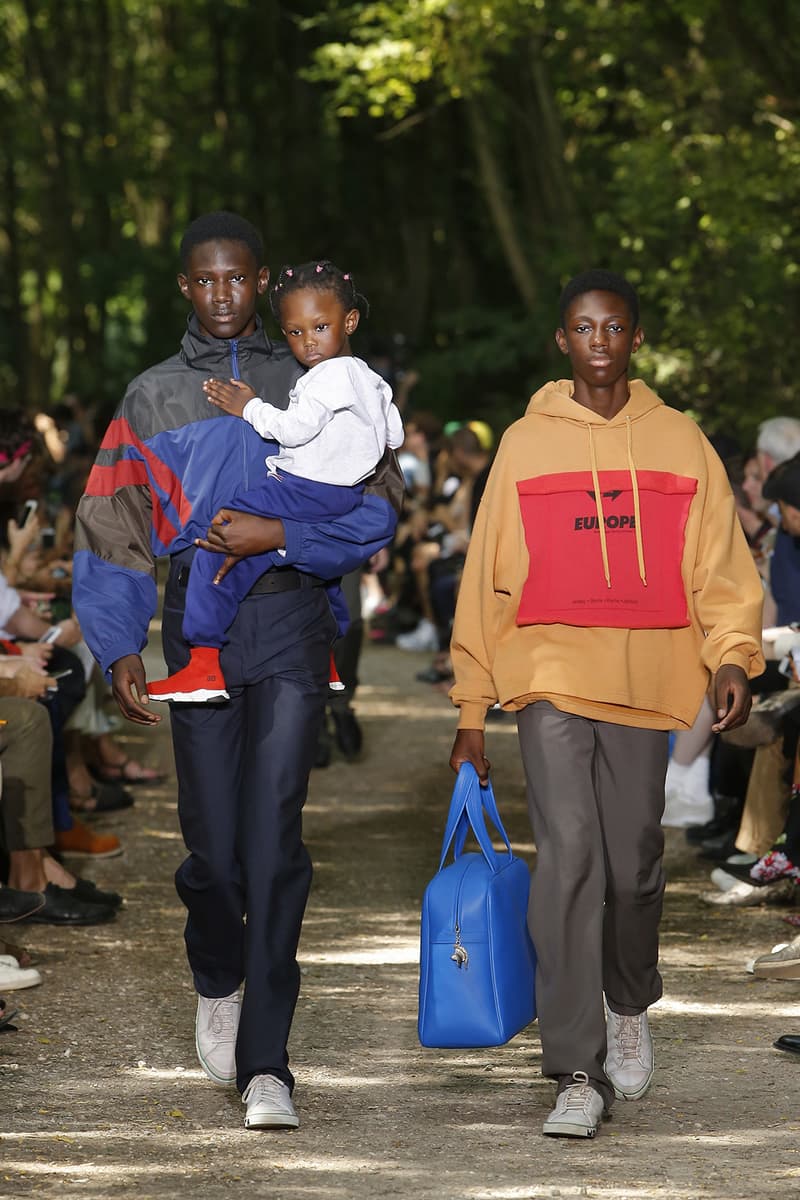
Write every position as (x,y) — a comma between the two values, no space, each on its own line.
(120,433)
(127,472)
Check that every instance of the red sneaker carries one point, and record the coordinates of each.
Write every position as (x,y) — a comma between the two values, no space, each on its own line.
(334,682)
(200,680)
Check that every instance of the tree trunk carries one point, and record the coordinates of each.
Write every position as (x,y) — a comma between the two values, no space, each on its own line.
(500,208)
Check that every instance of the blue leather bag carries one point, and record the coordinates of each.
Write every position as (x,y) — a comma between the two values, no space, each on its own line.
(477,960)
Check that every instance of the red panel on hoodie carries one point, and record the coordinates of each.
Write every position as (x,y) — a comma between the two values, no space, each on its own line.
(567,582)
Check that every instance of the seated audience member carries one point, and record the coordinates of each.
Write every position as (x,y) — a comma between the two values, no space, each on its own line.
(422,434)
(767,842)
(749,811)
(26,825)
(758,522)
(445,541)
(782,485)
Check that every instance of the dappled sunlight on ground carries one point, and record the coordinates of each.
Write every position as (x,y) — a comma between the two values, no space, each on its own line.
(102,1095)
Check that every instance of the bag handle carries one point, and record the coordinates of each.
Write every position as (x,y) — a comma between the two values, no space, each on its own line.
(467,812)
(457,816)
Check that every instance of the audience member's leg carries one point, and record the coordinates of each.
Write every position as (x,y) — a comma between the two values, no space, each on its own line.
(765,804)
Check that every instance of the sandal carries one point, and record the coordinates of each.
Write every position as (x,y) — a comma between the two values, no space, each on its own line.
(103,797)
(128,771)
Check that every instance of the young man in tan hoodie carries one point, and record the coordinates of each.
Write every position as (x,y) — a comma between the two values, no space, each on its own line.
(606,586)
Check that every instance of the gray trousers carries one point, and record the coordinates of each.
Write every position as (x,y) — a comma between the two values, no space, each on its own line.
(596,797)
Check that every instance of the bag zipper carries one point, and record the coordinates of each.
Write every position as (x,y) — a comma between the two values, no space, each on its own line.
(460,955)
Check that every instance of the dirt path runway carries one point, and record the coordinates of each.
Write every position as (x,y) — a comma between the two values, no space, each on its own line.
(100,1094)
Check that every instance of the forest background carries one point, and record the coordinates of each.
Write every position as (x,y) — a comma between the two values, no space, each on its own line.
(462,158)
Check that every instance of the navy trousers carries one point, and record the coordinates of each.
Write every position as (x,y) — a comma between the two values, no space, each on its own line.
(243,770)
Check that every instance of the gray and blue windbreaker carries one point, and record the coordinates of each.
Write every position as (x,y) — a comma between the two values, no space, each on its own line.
(169,461)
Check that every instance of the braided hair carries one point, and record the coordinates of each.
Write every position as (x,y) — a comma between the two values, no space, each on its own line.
(322,276)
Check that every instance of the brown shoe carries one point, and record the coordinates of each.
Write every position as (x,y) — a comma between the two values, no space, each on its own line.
(81,841)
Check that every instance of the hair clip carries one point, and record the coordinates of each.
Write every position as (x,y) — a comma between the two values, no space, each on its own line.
(319,268)
(288,272)
(347,276)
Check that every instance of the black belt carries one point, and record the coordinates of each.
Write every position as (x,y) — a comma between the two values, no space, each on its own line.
(276,579)
(284,579)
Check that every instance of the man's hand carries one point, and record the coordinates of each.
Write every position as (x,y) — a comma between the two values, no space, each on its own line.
(469,747)
(731,698)
(242,534)
(129,685)
(230,397)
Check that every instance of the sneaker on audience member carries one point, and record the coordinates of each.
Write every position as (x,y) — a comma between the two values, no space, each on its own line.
(723,880)
(747,895)
(269,1104)
(579,1108)
(13,976)
(424,637)
(781,963)
(629,1061)
(215,1029)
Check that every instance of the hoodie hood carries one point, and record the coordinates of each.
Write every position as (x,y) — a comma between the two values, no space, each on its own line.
(555,399)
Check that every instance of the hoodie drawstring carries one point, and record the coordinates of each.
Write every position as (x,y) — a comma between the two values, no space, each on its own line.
(636,510)
(598,503)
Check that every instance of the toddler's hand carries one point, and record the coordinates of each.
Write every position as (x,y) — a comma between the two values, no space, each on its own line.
(230,397)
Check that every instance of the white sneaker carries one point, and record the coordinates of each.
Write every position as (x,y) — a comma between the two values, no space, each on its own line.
(721,879)
(215,1030)
(782,962)
(687,798)
(13,977)
(748,895)
(269,1104)
(424,637)
(629,1055)
(578,1110)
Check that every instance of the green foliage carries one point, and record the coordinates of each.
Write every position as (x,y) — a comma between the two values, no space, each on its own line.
(461,157)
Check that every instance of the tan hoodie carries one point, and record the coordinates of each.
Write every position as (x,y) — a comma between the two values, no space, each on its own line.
(607,570)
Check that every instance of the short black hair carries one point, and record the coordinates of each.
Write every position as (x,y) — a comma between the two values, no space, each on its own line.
(221,226)
(321,275)
(783,482)
(598,280)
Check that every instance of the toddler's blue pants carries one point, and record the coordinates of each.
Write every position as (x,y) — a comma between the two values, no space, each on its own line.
(210,607)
